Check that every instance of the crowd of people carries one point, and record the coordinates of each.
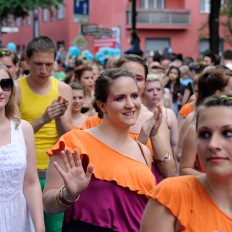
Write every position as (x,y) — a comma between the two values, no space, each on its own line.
(134,144)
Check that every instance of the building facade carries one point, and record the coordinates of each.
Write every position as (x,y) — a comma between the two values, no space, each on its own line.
(177,24)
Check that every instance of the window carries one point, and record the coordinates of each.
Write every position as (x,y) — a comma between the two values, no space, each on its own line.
(17,22)
(156,45)
(29,19)
(11,21)
(60,12)
(152,4)
(205,6)
(204,46)
(45,15)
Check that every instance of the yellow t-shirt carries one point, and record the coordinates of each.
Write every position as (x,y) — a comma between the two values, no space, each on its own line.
(33,106)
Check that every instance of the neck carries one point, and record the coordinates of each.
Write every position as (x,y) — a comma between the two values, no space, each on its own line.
(118,134)
(76,115)
(150,107)
(3,118)
(220,190)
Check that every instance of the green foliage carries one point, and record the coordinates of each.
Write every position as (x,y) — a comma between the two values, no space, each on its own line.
(227,10)
(21,8)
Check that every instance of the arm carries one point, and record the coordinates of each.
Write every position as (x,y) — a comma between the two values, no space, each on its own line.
(31,186)
(184,127)
(64,122)
(157,130)
(64,169)
(174,130)
(157,218)
(186,96)
(189,153)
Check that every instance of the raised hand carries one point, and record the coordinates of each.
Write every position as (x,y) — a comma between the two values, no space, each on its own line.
(156,120)
(75,179)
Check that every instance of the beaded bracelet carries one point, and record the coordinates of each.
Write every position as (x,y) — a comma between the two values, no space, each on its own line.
(164,159)
(61,200)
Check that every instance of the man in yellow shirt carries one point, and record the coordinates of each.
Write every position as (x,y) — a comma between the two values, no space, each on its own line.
(46,103)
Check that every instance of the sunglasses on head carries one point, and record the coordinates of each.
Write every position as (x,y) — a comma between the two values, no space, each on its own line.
(6,84)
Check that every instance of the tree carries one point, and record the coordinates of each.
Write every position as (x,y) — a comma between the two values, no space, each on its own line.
(227,21)
(214,40)
(21,8)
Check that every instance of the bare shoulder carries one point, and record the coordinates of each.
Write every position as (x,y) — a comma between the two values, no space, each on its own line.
(18,92)
(26,127)
(64,88)
(190,117)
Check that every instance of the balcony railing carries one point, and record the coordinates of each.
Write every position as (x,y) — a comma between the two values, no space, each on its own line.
(160,17)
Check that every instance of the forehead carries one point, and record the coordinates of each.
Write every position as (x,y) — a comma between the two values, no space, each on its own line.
(134,67)
(173,70)
(3,74)
(6,60)
(78,91)
(43,56)
(215,116)
(87,73)
(123,84)
(154,84)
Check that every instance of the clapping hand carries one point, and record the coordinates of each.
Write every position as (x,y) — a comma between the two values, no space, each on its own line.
(75,179)
(56,109)
(152,124)
(156,120)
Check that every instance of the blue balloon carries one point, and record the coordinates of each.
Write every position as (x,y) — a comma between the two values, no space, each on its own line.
(99,56)
(89,56)
(74,51)
(111,51)
(11,46)
(105,52)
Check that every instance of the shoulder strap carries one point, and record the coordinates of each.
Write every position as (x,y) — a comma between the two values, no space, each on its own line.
(142,151)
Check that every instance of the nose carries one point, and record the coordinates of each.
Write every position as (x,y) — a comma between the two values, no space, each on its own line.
(129,103)
(214,142)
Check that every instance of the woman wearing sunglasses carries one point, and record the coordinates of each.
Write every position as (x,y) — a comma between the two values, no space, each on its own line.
(20,196)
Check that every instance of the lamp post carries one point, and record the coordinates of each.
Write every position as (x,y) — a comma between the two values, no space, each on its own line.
(134,41)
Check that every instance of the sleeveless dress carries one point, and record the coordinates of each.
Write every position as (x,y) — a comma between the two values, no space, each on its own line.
(14,214)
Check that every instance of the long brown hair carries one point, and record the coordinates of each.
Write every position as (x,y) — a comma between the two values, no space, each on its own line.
(11,108)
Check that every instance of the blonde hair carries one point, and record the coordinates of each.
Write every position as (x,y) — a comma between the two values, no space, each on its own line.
(11,108)
(152,77)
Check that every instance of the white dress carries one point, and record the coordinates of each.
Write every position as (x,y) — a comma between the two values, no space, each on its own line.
(14,214)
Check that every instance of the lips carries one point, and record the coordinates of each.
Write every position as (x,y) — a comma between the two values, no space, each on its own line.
(216,159)
(129,113)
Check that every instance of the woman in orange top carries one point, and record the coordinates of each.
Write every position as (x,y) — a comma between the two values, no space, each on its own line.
(201,203)
(141,130)
(122,177)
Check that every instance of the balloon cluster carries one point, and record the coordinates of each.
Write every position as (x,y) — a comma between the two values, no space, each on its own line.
(106,53)
(100,56)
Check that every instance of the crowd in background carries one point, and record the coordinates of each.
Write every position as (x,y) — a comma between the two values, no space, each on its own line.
(76,106)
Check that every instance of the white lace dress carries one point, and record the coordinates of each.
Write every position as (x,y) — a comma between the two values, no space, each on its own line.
(14,214)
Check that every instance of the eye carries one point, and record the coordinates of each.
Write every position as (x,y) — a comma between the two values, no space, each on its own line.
(204,135)
(135,95)
(227,133)
(121,98)
(139,78)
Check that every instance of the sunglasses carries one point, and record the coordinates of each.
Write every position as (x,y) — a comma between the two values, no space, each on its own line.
(6,84)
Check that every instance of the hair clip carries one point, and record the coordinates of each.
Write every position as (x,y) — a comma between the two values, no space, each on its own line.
(128,73)
(3,52)
(224,96)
